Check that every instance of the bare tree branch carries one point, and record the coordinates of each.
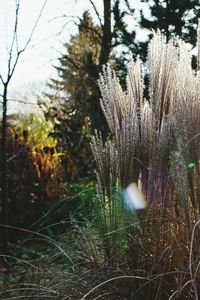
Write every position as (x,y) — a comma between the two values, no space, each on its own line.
(14,34)
(1,78)
(19,101)
(11,69)
(97,13)
(35,25)
(64,16)
(76,23)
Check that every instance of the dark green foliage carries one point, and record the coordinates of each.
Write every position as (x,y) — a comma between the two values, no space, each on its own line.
(121,34)
(75,91)
(173,18)
(79,202)
(74,98)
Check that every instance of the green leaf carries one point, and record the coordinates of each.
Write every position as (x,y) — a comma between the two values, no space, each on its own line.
(191,165)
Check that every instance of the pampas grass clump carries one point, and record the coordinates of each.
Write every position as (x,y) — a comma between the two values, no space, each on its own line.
(155,143)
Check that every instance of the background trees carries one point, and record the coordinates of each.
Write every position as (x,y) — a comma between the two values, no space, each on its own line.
(72,100)
(173,18)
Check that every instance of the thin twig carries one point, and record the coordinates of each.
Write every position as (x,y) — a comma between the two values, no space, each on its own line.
(97,13)
(19,101)
(35,25)
(13,39)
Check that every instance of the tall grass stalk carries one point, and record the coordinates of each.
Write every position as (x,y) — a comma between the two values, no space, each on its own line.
(154,142)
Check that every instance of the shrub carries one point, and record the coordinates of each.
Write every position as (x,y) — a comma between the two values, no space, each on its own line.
(34,169)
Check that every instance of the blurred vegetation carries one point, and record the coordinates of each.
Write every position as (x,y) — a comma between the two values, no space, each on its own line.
(72,100)
(34,169)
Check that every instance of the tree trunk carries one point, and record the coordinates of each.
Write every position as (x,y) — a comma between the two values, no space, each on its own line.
(107,36)
(4,198)
(97,117)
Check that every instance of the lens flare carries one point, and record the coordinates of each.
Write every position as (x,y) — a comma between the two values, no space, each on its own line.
(134,198)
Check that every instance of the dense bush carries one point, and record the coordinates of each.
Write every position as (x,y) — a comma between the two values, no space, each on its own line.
(34,170)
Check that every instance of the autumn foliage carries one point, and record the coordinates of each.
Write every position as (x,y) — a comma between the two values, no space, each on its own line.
(35,167)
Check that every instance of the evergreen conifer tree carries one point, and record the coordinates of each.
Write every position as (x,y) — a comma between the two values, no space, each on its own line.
(173,17)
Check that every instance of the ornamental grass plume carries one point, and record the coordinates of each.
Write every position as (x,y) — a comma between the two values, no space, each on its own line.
(151,137)
(154,142)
